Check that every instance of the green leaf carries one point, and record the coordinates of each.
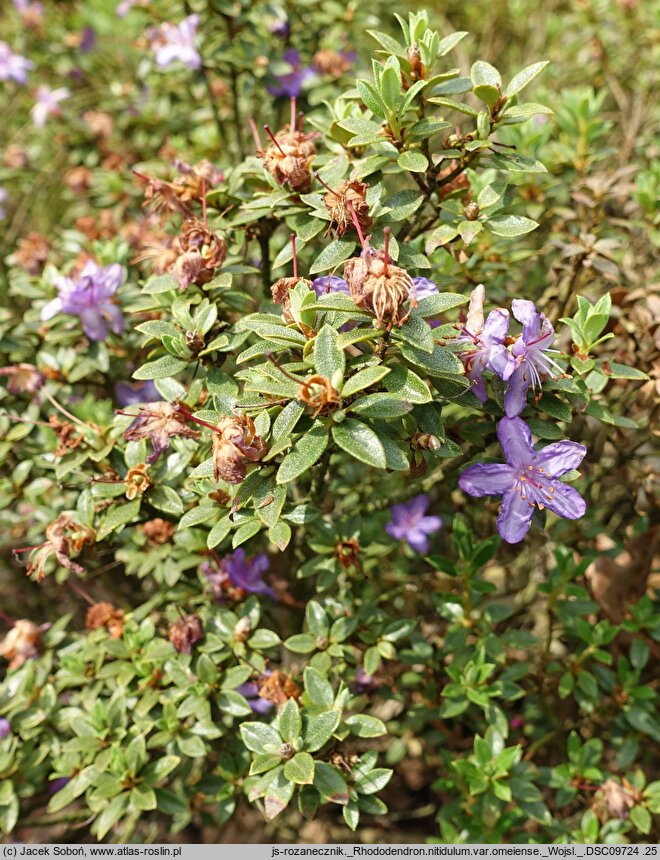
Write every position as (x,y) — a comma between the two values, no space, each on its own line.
(300,769)
(278,794)
(442,362)
(332,255)
(289,721)
(301,643)
(360,442)
(526,111)
(330,784)
(380,406)
(319,729)
(364,379)
(371,98)
(511,225)
(413,160)
(449,42)
(256,736)
(111,814)
(515,163)
(219,532)
(439,303)
(439,237)
(469,230)
(454,105)
(520,81)
(365,726)
(374,781)
(318,688)
(641,818)
(245,532)
(168,365)
(390,88)
(416,332)
(285,422)
(166,499)
(280,535)
(160,284)
(304,453)
(329,359)
(404,383)
(117,517)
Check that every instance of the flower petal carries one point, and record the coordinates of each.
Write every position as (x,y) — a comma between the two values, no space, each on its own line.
(501,362)
(487,479)
(525,312)
(560,457)
(497,326)
(515,396)
(430,524)
(566,502)
(93,324)
(417,540)
(515,518)
(51,309)
(515,437)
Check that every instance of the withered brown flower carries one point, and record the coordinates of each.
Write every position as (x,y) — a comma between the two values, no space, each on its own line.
(64,537)
(329,62)
(289,158)
(67,440)
(158,422)
(158,531)
(137,481)
(378,286)
(200,252)
(31,253)
(105,615)
(183,634)
(235,443)
(23,642)
(319,393)
(337,203)
(22,378)
(278,688)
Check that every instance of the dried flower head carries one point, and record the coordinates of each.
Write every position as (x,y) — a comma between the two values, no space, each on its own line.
(183,634)
(378,286)
(67,440)
(159,422)
(105,615)
(23,642)
(31,253)
(348,553)
(319,393)
(200,251)
(278,687)
(329,62)
(137,481)
(289,158)
(280,292)
(64,537)
(158,531)
(337,203)
(235,443)
(22,378)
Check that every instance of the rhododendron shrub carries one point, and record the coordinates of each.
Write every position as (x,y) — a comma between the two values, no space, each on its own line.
(315,392)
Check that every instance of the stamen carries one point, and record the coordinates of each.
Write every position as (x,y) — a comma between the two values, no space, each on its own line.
(295,256)
(190,417)
(354,218)
(549,498)
(524,498)
(326,186)
(255,132)
(541,507)
(300,122)
(386,231)
(28,548)
(274,139)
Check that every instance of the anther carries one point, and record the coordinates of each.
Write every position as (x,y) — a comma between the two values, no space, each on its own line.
(274,139)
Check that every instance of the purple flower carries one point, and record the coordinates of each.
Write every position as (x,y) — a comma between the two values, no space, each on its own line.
(3,197)
(422,287)
(251,692)
(88,40)
(90,298)
(176,42)
(280,28)
(242,572)
(128,393)
(330,284)
(47,104)
(410,523)
(58,784)
(12,66)
(291,83)
(364,683)
(530,352)
(487,341)
(5,728)
(528,479)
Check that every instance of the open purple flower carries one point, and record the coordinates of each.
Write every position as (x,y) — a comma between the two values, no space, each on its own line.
(176,42)
(527,480)
(13,67)
(5,728)
(242,572)
(530,352)
(90,298)
(330,284)
(47,104)
(291,83)
(58,784)
(488,351)
(422,287)
(410,523)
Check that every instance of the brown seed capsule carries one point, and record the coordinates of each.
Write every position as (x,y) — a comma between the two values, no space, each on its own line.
(158,531)
(329,62)
(31,253)
(200,251)
(289,158)
(64,537)
(416,66)
(278,688)
(23,642)
(472,212)
(337,204)
(22,378)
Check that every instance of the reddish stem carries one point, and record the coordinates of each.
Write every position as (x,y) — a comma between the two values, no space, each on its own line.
(27,548)
(83,594)
(354,218)
(326,186)
(273,360)
(273,138)
(300,122)
(191,417)
(7,618)
(255,132)
(295,255)
(293,114)
(204,190)
(386,231)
